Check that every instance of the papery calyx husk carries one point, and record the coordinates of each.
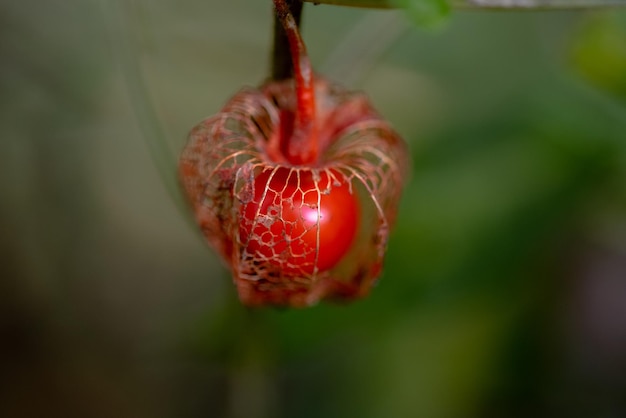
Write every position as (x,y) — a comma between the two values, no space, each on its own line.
(227,153)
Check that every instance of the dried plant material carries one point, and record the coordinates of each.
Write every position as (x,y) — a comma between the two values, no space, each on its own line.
(296,185)
(289,254)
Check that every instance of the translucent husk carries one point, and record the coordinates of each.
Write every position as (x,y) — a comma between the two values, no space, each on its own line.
(226,153)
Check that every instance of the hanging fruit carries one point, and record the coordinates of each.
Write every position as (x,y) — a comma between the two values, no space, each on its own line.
(296,185)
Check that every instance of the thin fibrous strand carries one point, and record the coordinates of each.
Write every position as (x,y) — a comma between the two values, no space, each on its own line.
(302,147)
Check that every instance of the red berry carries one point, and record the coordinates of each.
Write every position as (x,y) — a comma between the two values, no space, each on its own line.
(271,180)
(297,222)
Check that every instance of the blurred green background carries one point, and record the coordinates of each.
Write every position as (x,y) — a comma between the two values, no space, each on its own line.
(504,290)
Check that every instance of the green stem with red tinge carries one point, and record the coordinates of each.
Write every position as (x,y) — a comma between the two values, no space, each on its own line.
(282,66)
(302,146)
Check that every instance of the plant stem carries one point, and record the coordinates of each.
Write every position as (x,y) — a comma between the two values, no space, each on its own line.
(490,4)
(282,65)
(302,147)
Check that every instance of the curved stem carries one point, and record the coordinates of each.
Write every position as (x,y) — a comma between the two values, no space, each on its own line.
(282,65)
(302,146)
(363,46)
(124,36)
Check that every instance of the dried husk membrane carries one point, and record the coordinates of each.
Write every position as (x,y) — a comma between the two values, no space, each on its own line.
(228,152)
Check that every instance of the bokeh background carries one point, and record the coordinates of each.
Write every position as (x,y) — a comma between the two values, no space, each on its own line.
(504,290)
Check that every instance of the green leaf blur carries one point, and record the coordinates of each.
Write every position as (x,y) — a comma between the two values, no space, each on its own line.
(426,13)
(599,51)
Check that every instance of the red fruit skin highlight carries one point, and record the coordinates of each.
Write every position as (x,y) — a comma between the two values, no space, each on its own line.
(301,221)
